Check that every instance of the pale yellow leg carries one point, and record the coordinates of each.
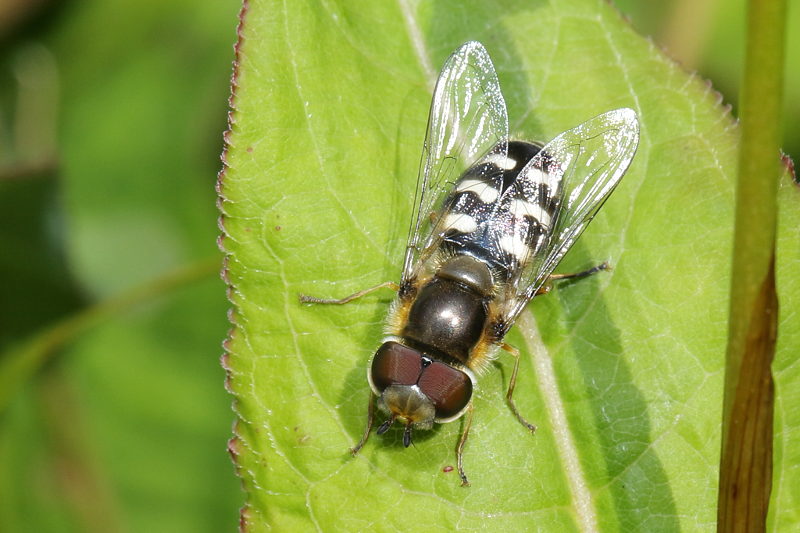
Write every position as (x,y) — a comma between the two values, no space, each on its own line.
(513,383)
(306,299)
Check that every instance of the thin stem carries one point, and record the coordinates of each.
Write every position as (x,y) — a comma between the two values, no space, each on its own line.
(746,461)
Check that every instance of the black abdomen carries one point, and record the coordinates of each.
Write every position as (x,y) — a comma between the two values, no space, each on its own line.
(447,316)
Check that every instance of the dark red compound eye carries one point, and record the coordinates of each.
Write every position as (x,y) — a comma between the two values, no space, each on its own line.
(395,364)
(447,387)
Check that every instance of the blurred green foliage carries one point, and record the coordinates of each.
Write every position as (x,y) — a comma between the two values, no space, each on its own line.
(708,37)
(111,121)
(111,116)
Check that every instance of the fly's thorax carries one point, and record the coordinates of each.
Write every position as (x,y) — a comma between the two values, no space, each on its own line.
(450,312)
(469,272)
(418,388)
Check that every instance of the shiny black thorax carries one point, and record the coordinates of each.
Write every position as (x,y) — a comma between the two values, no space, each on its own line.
(450,312)
(448,317)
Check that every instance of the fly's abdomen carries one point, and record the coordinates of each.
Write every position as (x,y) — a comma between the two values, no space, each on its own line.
(493,196)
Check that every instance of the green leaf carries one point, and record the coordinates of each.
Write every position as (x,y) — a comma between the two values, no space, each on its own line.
(784,513)
(622,372)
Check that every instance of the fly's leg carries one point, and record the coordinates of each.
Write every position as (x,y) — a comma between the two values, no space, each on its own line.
(370,419)
(511,384)
(577,275)
(306,299)
(460,447)
(548,285)
(544,289)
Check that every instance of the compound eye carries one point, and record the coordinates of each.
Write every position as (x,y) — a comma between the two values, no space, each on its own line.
(449,389)
(395,364)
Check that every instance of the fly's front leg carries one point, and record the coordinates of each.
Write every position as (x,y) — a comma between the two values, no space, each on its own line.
(370,419)
(511,384)
(460,448)
(306,299)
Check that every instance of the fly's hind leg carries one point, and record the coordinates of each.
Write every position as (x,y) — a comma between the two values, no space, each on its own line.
(306,299)
(511,384)
(577,275)
(548,285)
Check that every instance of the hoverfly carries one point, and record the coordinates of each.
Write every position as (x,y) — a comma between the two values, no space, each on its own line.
(492,219)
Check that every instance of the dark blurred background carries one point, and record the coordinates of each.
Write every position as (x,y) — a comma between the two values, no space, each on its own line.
(113,415)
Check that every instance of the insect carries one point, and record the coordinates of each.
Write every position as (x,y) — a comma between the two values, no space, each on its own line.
(492,219)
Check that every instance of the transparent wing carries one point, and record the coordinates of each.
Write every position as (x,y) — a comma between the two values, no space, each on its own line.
(467,120)
(580,167)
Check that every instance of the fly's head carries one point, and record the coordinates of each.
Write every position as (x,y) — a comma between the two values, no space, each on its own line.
(417,390)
